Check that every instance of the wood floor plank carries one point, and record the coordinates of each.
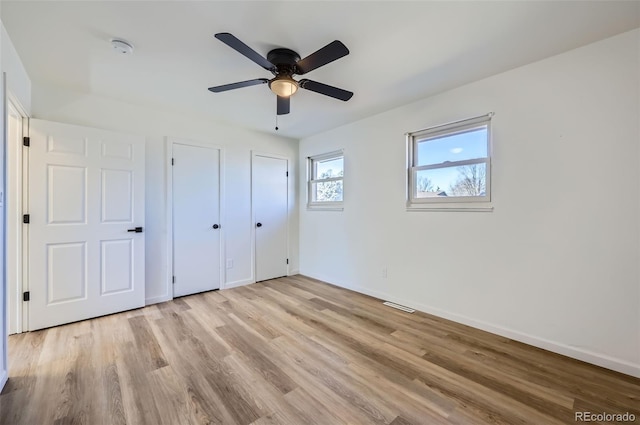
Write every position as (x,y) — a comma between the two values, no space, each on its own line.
(243,342)
(294,351)
(208,378)
(373,335)
(24,356)
(400,421)
(146,343)
(207,406)
(402,399)
(311,411)
(349,390)
(324,394)
(138,405)
(114,408)
(269,398)
(366,321)
(170,396)
(59,352)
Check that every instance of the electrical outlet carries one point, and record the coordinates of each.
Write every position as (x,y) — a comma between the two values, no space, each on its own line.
(384,273)
(229,264)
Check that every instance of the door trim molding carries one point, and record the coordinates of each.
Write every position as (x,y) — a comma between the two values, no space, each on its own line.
(254,154)
(15,200)
(169,142)
(4,329)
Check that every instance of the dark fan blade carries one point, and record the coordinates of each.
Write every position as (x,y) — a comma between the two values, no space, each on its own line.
(231,41)
(283,105)
(329,53)
(218,89)
(325,89)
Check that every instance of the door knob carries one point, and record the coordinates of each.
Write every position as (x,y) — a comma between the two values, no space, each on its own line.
(215,226)
(259,225)
(136,230)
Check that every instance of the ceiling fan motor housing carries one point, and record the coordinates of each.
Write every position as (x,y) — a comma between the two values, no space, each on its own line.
(284,59)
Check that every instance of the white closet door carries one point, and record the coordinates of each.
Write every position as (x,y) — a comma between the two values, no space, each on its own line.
(86,199)
(196,219)
(270,192)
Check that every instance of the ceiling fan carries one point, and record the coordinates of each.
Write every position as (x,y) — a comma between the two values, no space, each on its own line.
(284,64)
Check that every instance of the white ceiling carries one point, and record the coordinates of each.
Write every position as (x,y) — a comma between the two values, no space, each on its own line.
(400,51)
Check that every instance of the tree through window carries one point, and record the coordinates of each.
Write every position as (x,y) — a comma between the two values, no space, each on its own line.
(325,185)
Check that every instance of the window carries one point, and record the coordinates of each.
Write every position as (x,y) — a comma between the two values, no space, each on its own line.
(326,173)
(450,164)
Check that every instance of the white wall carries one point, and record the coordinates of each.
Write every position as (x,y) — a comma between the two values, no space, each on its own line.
(556,264)
(81,109)
(18,82)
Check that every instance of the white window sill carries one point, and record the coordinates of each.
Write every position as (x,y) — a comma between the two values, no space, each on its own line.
(325,208)
(450,207)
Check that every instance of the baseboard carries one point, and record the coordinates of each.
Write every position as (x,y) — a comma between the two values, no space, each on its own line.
(237,283)
(597,359)
(294,272)
(156,300)
(3,379)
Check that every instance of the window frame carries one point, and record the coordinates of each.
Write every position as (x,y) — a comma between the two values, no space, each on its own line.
(479,203)
(312,179)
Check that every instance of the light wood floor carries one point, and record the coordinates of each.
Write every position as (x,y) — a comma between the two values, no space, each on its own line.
(294,351)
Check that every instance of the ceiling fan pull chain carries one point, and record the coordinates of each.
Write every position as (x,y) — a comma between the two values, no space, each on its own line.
(276,122)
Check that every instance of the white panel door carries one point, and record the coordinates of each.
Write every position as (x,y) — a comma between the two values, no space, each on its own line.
(270,192)
(86,198)
(196,219)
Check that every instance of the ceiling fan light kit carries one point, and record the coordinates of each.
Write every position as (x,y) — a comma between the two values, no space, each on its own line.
(284,64)
(283,85)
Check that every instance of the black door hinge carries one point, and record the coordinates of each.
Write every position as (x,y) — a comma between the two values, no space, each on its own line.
(25,218)
(26,296)
(173,161)
(173,280)
(287,174)
(26,141)
(287,261)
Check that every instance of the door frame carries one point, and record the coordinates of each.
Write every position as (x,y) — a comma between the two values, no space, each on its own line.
(254,264)
(170,141)
(4,360)
(16,197)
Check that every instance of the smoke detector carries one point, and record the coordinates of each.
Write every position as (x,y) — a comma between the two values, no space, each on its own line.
(122,46)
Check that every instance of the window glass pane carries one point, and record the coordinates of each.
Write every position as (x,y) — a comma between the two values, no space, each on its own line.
(457,147)
(464,180)
(333,167)
(327,191)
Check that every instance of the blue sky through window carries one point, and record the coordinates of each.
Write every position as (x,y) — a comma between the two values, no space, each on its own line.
(330,168)
(457,147)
